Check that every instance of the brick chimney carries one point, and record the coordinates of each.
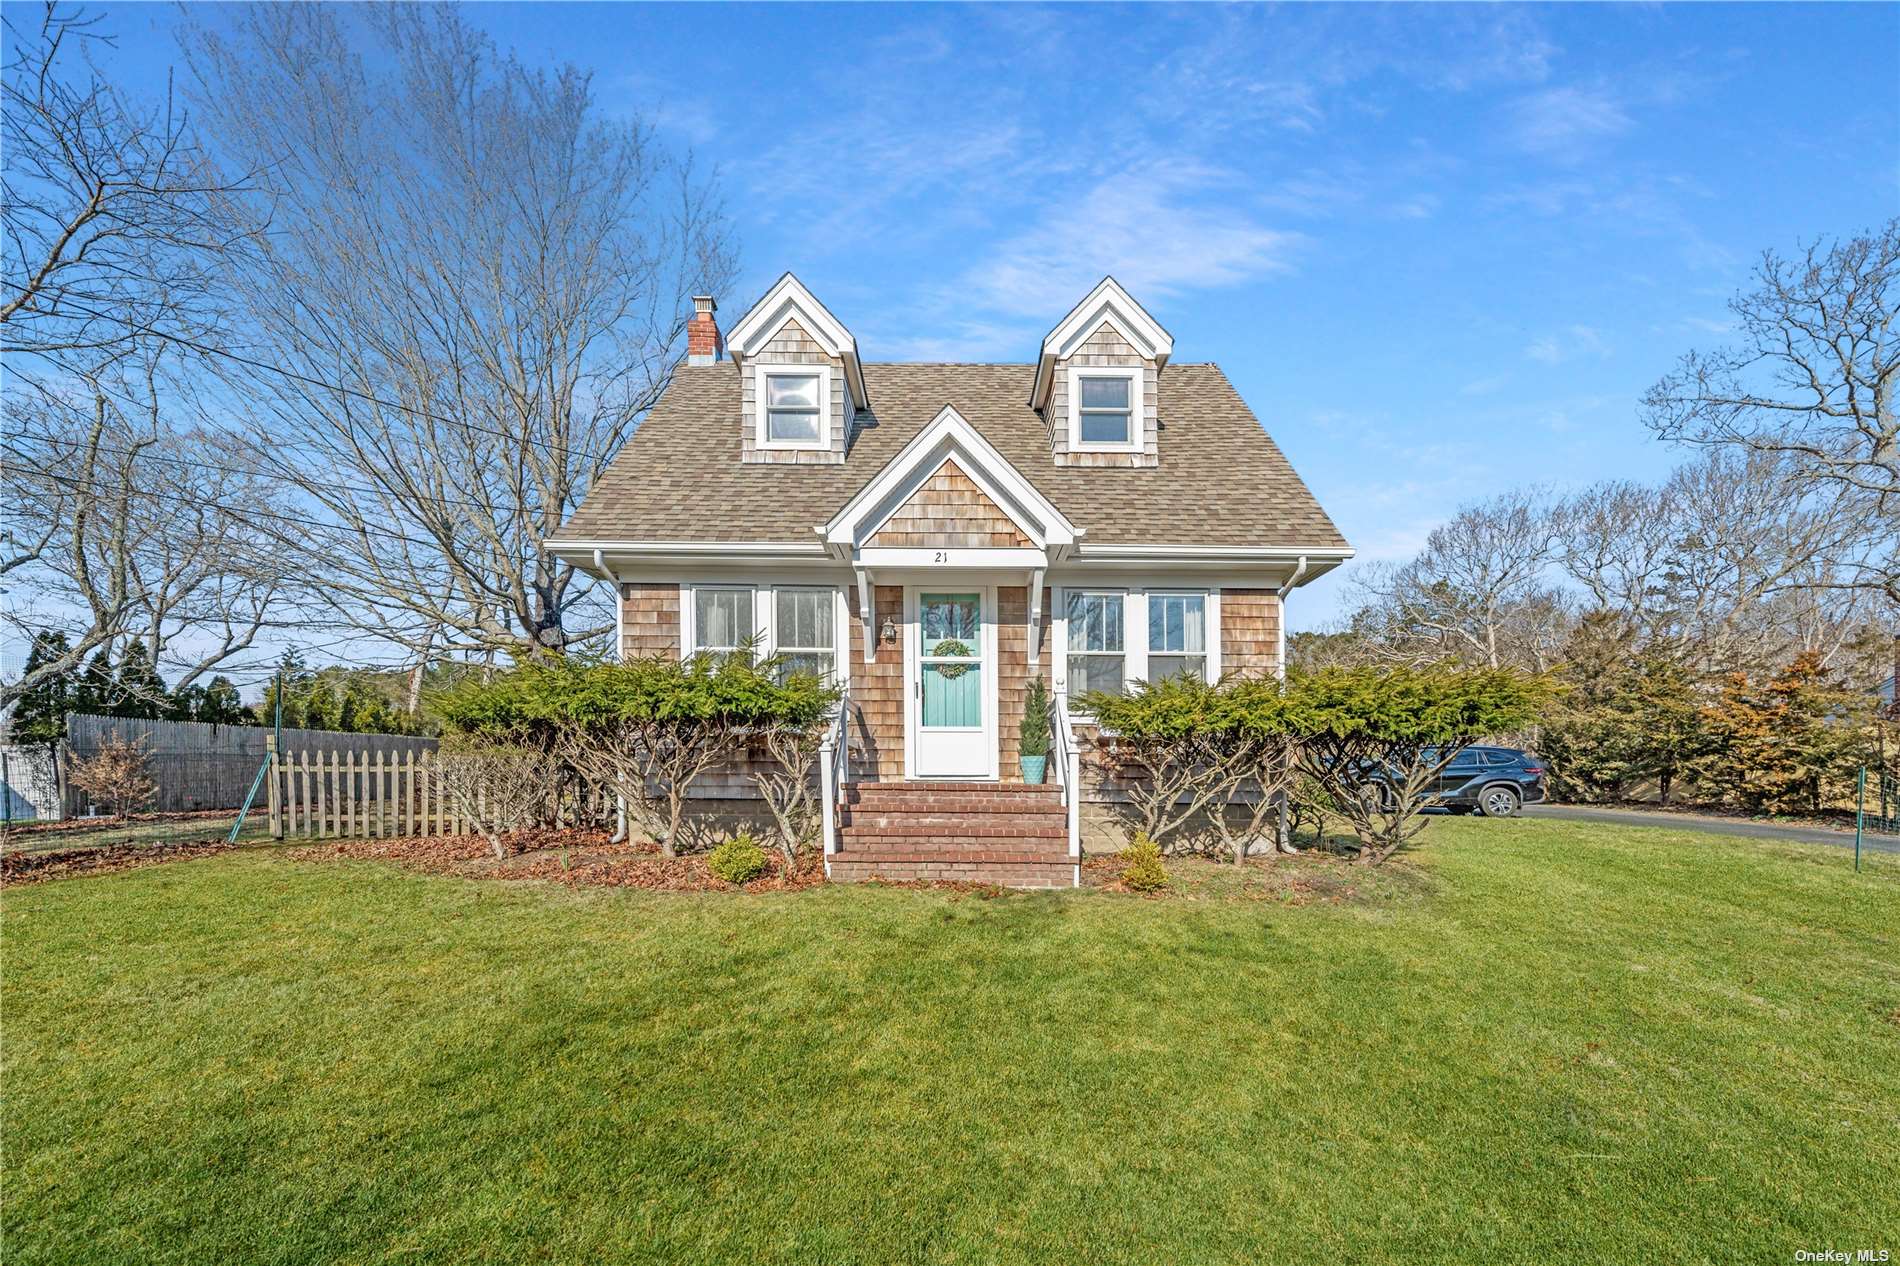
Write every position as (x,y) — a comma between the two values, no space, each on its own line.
(703,340)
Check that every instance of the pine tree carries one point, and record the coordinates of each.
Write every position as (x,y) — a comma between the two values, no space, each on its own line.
(40,714)
(93,691)
(221,705)
(141,691)
(1788,743)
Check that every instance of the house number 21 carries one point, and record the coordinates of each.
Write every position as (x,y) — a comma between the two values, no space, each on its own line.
(943,556)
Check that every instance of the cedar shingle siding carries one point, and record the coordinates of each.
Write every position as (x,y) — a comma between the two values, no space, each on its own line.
(1249,631)
(949,512)
(649,620)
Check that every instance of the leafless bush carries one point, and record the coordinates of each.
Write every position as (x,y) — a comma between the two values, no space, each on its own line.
(118,776)
(786,785)
(499,788)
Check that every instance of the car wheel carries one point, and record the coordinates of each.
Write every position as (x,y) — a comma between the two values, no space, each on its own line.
(1500,800)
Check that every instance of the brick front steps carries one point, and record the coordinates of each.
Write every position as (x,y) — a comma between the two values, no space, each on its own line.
(986,833)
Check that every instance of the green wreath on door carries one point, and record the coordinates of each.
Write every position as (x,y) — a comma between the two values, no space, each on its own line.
(951,648)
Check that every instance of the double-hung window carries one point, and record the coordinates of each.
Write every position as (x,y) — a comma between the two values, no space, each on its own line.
(802,631)
(723,618)
(1177,635)
(1097,649)
(1105,409)
(792,404)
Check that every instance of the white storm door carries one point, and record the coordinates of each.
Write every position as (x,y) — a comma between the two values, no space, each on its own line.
(951,687)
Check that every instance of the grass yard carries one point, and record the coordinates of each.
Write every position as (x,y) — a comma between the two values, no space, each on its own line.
(1539,1041)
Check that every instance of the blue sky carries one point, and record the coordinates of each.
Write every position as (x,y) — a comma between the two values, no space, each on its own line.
(1441,250)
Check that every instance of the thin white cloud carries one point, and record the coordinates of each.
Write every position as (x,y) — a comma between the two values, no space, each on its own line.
(1566,124)
(1568,344)
(1160,230)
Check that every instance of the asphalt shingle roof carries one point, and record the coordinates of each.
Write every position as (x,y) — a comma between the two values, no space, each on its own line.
(1221,481)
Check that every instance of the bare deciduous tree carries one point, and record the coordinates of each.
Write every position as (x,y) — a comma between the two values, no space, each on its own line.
(1811,381)
(124,529)
(1478,592)
(473,289)
(113,231)
(119,525)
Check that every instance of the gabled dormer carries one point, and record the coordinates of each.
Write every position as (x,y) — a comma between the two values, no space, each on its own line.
(1097,379)
(800,383)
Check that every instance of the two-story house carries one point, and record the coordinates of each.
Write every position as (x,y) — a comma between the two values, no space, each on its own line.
(935,536)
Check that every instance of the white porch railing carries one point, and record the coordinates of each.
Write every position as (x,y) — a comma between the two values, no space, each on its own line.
(834,771)
(1068,763)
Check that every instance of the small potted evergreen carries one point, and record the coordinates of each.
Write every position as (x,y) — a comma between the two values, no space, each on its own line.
(1033,736)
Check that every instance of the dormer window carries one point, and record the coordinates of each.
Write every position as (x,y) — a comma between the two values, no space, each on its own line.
(1103,407)
(793,410)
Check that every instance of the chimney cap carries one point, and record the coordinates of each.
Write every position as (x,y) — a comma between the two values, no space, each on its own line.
(705,303)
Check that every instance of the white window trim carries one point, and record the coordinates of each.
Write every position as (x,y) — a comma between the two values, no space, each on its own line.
(759,407)
(765,616)
(1210,626)
(1061,630)
(1134,628)
(1137,408)
(772,639)
(689,615)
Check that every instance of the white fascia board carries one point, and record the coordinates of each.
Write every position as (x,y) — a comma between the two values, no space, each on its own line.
(789,298)
(618,553)
(1280,567)
(1006,558)
(950,436)
(1268,553)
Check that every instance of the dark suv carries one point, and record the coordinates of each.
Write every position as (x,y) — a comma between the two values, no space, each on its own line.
(1493,781)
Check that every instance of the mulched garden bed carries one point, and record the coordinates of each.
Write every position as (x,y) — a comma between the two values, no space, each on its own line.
(21,868)
(577,858)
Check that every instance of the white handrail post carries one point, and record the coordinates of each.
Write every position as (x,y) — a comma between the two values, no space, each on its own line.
(1069,771)
(828,810)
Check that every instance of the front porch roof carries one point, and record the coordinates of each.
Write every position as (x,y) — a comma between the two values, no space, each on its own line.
(949,438)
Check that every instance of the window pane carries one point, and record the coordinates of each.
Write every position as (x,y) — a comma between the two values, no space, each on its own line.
(810,663)
(789,426)
(1104,428)
(1095,622)
(804,619)
(1105,393)
(791,391)
(1160,666)
(953,695)
(950,616)
(722,618)
(1095,672)
(1177,622)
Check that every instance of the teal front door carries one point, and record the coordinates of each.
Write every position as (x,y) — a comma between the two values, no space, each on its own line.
(951,688)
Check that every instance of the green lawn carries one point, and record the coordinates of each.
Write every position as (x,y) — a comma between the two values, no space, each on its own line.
(1540,1041)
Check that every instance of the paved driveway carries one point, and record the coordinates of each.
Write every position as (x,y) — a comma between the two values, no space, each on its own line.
(1716,826)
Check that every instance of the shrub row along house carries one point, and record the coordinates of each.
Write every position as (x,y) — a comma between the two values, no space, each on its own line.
(936,537)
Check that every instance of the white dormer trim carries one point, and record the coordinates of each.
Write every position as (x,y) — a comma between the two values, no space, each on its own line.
(949,437)
(1107,302)
(788,300)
